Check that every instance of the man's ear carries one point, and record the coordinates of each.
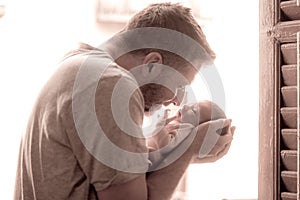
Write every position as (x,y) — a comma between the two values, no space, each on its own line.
(153,62)
(153,57)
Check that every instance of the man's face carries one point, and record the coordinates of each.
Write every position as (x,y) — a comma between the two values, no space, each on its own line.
(156,95)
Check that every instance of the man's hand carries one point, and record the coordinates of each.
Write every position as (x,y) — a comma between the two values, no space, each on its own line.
(163,182)
(222,143)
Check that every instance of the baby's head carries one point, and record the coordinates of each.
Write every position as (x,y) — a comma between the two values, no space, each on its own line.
(200,112)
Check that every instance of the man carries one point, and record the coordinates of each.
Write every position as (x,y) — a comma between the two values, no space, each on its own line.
(84,138)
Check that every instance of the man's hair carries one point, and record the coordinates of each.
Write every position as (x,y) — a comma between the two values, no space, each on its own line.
(171,16)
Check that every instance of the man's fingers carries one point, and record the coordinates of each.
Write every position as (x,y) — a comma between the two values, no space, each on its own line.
(224,151)
(223,145)
(224,125)
(219,151)
(223,131)
(219,143)
(224,139)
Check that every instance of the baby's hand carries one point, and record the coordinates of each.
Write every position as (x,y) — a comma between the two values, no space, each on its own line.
(163,133)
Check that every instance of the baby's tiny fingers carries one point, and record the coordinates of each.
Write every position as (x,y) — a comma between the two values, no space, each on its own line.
(166,113)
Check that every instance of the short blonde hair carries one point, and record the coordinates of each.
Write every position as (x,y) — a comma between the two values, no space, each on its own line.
(171,16)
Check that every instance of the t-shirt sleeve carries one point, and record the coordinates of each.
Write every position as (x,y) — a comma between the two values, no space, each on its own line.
(114,150)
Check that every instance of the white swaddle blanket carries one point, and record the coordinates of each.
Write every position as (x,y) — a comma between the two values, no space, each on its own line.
(177,146)
(183,138)
(180,142)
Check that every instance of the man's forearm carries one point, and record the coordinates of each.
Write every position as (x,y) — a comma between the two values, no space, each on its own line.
(163,182)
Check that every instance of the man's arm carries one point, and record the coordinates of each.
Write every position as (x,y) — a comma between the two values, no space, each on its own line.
(158,185)
(135,189)
(224,142)
(161,184)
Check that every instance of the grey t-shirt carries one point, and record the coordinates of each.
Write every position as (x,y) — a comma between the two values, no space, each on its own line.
(54,163)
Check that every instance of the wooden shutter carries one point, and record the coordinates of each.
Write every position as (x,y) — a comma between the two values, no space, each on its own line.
(279,100)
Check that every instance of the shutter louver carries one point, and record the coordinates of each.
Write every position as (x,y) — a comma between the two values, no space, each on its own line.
(288,125)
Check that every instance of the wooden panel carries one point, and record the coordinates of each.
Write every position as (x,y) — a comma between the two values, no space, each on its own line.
(298,112)
(268,141)
(289,160)
(286,31)
(289,179)
(290,10)
(289,117)
(289,139)
(289,75)
(288,196)
(269,62)
(289,53)
(289,96)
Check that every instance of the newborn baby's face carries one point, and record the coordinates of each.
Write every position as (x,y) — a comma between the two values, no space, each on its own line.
(203,110)
(189,114)
(200,112)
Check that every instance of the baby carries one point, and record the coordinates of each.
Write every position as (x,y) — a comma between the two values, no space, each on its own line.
(199,113)
(172,131)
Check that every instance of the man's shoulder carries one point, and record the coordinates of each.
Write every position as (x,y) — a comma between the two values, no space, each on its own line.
(95,62)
